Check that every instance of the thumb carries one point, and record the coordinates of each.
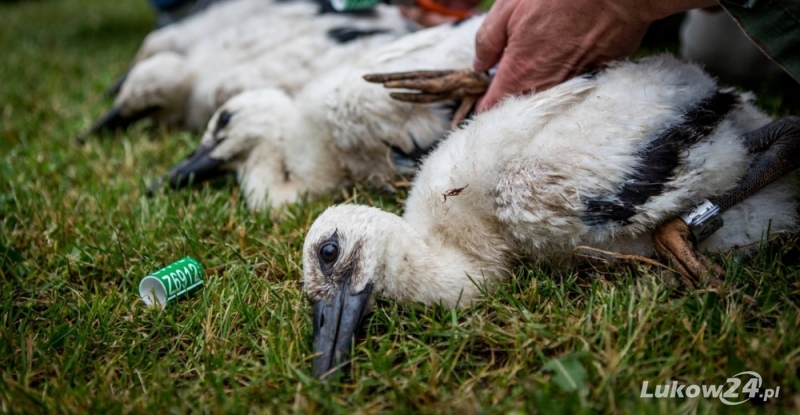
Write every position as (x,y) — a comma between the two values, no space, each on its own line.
(505,82)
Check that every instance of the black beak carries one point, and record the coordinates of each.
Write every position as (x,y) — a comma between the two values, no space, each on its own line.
(114,120)
(409,160)
(196,168)
(113,90)
(334,327)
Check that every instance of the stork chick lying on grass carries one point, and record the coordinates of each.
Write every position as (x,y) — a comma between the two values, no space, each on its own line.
(284,49)
(602,160)
(337,129)
(182,36)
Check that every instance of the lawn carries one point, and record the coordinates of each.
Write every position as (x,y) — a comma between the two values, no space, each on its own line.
(78,234)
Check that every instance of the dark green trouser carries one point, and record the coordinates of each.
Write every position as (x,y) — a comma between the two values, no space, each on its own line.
(774,25)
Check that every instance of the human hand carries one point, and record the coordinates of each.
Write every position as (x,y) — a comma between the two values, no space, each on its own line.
(540,43)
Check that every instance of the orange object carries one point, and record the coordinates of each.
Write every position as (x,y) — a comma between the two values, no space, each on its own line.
(433,6)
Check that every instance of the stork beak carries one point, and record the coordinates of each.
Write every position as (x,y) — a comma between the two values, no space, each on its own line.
(114,88)
(115,120)
(335,324)
(197,167)
(107,121)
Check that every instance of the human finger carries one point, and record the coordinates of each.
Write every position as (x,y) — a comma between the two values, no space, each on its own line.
(491,39)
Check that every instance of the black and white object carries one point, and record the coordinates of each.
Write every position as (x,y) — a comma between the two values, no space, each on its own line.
(703,219)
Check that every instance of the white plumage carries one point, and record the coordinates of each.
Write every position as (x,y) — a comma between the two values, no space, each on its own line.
(283,48)
(180,37)
(526,179)
(339,127)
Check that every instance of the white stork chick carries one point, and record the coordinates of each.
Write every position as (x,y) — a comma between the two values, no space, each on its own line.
(206,26)
(599,160)
(343,128)
(182,36)
(284,52)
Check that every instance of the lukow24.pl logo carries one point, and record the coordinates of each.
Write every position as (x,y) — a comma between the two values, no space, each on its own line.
(728,393)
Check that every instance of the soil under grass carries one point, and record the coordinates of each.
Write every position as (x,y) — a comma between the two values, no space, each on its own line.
(78,234)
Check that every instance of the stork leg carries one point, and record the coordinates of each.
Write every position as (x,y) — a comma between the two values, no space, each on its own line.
(434,86)
(777,146)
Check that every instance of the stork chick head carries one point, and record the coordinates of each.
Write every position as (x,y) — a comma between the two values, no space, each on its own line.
(159,84)
(158,87)
(345,257)
(236,131)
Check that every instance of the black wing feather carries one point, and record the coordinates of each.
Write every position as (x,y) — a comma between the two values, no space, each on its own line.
(348,34)
(659,159)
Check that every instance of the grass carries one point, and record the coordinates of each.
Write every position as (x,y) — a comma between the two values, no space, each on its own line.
(78,234)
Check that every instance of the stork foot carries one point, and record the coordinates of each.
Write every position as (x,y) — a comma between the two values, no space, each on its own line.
(675,241)
(434,86)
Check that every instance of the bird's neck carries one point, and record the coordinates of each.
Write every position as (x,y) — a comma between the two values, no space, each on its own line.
(253,189)
(264,178)
(425,269)
(283,168)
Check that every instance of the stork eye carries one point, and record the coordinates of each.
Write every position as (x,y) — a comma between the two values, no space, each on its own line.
(329,252)
(222,121)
